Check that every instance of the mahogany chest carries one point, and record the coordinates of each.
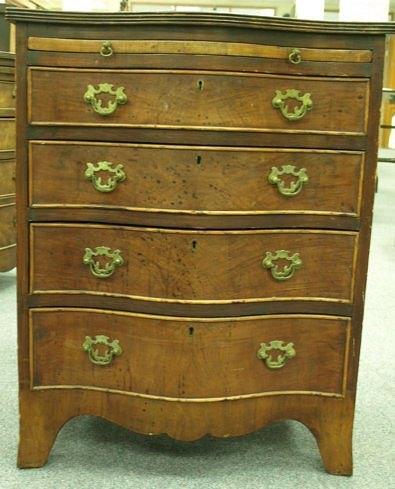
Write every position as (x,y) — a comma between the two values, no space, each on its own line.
(194,208)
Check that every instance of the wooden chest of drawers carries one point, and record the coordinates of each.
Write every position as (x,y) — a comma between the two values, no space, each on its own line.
(7,163)
(195,203)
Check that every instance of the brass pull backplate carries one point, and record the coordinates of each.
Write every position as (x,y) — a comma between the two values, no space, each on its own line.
(287,271)
(294,187)
(92,259)
(299,111)
(105,355)
(116,174)
(91,99)
(287,351)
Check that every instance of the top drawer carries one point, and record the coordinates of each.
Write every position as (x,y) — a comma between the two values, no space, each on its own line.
(264,57)
(198,100)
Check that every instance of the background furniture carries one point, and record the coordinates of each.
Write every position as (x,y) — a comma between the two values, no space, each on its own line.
(7,163)
(196,195)
(386,155)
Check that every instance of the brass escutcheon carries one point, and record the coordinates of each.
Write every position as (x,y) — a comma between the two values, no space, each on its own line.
(105,88)
(288,270)
(287,349)
(113,349)
(294,187)
(108,269)
(117,174)
(298,112)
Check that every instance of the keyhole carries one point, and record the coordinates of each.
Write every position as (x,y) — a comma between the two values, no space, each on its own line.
(191,331)
(194,245)
(198,160)
(200,85)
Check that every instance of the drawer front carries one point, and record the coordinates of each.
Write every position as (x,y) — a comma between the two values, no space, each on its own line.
(7,225)
(194,100)
(7,94)
(208,266)
(7,131)
(203,54)
(186,180)
(7,178)
(188,358)
(108,49)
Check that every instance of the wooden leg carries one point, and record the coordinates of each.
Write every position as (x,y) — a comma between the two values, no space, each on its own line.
(40,423)
(334,438)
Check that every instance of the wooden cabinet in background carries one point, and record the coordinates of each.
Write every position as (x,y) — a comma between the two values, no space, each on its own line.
(7,163)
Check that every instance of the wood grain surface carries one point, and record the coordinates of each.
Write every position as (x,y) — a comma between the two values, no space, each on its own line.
(189,179)
(176,265)
(231,101)
(184,358)
(153,46)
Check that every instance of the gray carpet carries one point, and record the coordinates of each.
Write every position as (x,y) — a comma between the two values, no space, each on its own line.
(90,452)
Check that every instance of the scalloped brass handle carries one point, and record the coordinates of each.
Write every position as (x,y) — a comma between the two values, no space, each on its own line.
(295,56)
(294,187)
(117,174)
(91,99)
(105,355)
(287,352)
(106,270)
(299,111)
(287,271)
(106,49)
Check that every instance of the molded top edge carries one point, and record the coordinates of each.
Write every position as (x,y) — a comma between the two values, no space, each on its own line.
(193,18)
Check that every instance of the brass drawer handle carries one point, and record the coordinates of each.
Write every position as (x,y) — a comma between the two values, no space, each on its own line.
(116,175)
(294,187)
(106,355)
(295,56)
(287,270)
(288,352)
(106,270)
(106,88)
(299,111)
(106,49)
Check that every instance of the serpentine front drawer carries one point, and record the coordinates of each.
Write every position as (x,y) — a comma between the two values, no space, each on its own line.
(192,266)
(180,179)
(188,358)
(206,100)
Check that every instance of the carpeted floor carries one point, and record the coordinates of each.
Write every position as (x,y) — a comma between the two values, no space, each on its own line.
(90,452)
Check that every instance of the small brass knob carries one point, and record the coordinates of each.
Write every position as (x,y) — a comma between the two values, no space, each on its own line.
(295,56)
(106,49)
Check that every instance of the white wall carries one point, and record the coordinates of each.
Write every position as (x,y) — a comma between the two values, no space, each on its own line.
(90,5)
(364,10)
